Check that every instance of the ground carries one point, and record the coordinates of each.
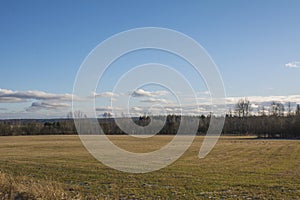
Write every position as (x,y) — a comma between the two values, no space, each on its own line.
(57,167)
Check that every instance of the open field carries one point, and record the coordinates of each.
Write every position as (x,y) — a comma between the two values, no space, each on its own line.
(57,167)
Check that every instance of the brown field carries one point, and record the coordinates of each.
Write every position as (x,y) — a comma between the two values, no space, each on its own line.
(59,167)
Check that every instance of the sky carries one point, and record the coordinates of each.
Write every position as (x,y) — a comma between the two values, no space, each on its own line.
(255,45)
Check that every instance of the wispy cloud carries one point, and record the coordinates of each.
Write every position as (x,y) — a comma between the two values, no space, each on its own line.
(47,105)
(108,109)
(154,100)
(294,64)
(266,99)
(10,96)
(137,109)
(105,95)
(205,93)
(144,93)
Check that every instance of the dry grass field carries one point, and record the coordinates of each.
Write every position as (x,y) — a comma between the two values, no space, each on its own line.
(59,167)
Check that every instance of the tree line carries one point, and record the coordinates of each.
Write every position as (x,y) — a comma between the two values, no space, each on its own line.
(276,121)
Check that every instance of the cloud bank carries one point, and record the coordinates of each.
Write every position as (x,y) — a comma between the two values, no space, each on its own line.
(49,104)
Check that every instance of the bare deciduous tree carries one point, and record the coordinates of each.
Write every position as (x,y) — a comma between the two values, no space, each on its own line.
(277,109)
(243,108)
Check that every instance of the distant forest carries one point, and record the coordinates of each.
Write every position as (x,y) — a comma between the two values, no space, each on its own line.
(276,122)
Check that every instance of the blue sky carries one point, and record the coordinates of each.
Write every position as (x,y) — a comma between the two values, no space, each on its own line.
(255,44)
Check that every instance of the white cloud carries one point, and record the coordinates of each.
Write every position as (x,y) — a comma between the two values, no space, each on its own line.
(206,93)
(137,109)
(104,109)
(10,96)
(154,100)
(254,105)
(295,64)
(143,93)
(11,100)
(105,95)
(56,104)
(204,106)
(266,99)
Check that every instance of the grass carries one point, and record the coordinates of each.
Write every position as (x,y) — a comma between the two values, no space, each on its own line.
(59,167)
(22,187)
